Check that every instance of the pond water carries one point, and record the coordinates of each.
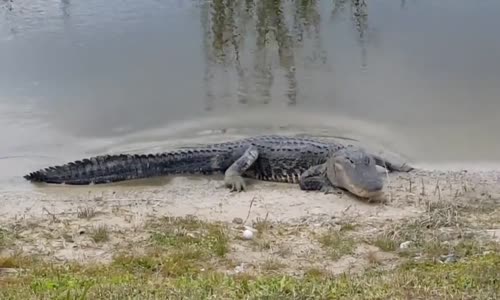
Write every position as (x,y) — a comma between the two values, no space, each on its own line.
(80,78)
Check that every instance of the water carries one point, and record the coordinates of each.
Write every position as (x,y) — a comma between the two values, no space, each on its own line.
(80,78)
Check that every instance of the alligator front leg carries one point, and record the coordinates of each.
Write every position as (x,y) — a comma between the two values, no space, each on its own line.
(391,166)
(233,178)
(314,179)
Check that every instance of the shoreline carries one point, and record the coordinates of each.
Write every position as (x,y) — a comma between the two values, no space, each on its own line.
(206,196)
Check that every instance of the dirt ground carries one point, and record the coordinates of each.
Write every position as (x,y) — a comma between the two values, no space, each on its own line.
(56,221)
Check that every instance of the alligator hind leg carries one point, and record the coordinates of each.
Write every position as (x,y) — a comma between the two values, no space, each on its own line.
(233,178)
(314,179)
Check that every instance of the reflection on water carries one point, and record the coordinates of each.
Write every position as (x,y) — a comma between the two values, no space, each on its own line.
(227,25)
(87,77)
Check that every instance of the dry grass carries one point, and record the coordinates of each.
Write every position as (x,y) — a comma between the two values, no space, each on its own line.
(444,229)
(100,233)
(372,258)
(86,213)
(5,238)
(337,243)
(272,264)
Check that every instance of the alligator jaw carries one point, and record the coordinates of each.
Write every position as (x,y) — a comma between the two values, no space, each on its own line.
(375,195)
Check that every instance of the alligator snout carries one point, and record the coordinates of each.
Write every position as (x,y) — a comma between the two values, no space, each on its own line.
(370,189)
(374,185)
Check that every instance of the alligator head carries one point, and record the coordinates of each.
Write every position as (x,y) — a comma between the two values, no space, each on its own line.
(355,170)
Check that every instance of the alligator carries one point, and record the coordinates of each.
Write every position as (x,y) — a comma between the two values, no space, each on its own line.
(314,164)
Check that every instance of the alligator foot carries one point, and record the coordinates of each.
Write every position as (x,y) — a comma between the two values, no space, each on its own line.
(314,179)
(235,183)
(392,166)
(233,176)
(330,189)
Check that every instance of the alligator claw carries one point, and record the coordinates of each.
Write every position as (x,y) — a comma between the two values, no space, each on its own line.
(328,189)
(235,183)
(402,168)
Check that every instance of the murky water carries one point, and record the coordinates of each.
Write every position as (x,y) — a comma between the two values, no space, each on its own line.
(79,78)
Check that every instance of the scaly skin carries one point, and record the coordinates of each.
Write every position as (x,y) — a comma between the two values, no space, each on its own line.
(313,164)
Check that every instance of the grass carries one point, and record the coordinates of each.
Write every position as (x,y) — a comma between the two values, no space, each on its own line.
(100,234)
(86,213)
(178,246)
(337,243)
(444,229)
(272,264)
(385,243)
(141,278)
(190,235)
(346,226)
(262,225)
(315,273)
(187,258)
(372,258)
(5,238)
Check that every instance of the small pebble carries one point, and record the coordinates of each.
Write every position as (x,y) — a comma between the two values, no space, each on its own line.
(447,259)
(247,234)
(405,245)
(239,269)
(238,221)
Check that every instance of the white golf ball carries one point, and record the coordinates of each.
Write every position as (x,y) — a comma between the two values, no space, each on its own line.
(247,234)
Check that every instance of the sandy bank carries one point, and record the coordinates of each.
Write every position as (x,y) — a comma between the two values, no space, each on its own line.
(205,197)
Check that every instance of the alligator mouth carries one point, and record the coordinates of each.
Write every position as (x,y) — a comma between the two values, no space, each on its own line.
(363,193)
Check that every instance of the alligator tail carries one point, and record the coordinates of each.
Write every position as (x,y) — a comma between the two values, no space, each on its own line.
(113,168)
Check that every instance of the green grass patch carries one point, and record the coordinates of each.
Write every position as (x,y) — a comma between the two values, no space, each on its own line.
(477,278)
(272,264)
(186,258)
(431,241)
(100,234)
(337,243)
(386,244)
(177,247)
(5,238)
(191,237)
